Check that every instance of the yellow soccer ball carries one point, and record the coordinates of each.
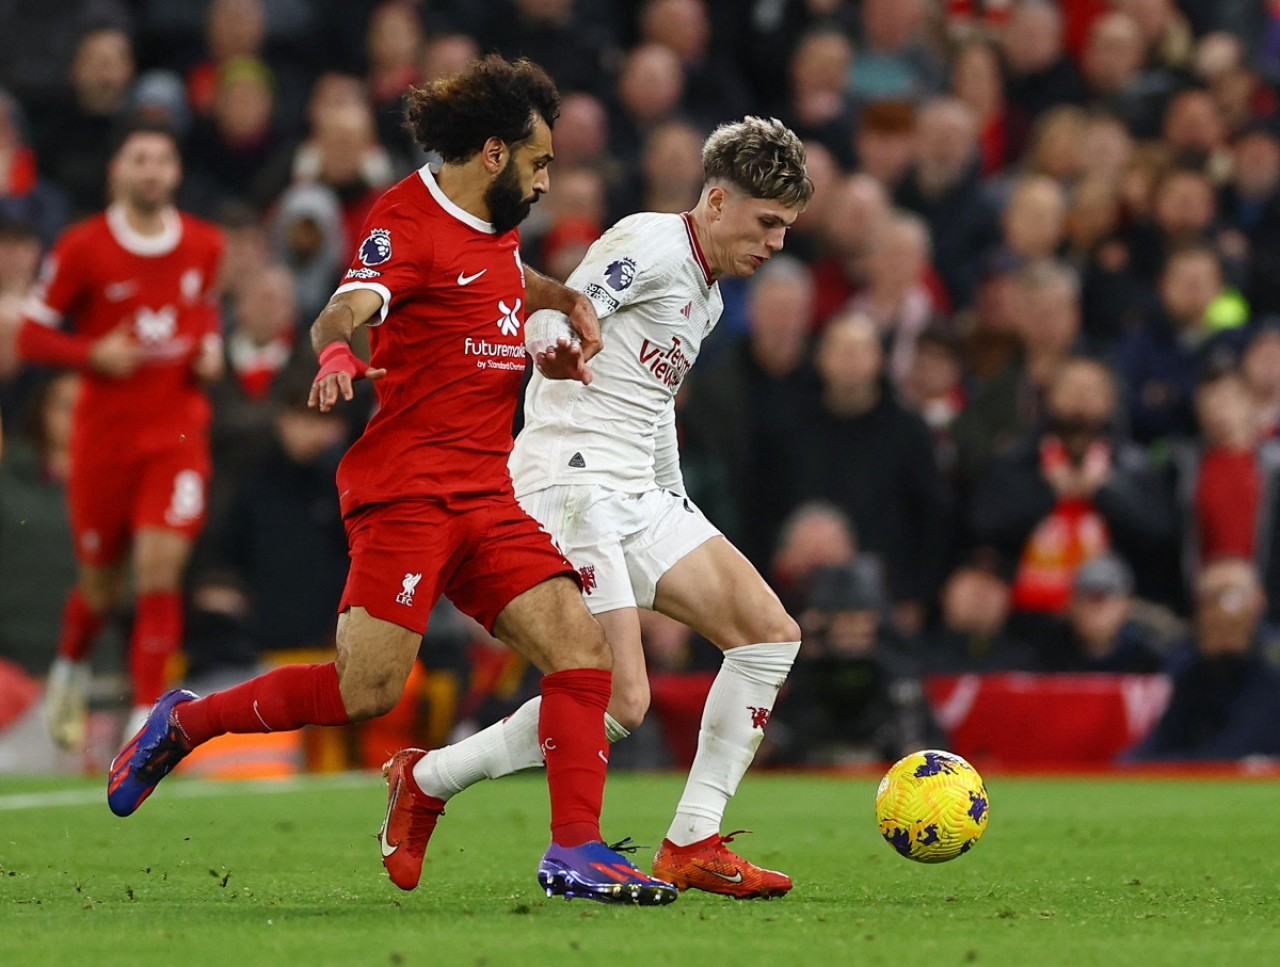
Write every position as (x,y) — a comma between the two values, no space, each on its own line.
(932,806)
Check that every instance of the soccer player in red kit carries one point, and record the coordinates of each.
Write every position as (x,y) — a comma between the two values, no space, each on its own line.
(426,496)
(135,288)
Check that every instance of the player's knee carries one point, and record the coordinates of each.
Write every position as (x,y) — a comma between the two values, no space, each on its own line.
(628,707)
(101,596)
(370,698)
(771,623)
(585,649)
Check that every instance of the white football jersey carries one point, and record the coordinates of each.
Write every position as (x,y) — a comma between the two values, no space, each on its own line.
(653,291)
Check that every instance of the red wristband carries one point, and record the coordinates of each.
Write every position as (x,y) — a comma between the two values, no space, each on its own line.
(337,357)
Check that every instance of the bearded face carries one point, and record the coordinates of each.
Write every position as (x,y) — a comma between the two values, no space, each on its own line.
(508,204)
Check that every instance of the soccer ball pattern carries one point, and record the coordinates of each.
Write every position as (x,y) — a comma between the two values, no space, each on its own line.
(932,806)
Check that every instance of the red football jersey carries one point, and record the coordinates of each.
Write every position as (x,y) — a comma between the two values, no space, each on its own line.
(451,339)
(102,274)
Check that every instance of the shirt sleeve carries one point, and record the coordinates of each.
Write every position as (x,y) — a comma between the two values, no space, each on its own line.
(614,273)
(58,287)
(393,257)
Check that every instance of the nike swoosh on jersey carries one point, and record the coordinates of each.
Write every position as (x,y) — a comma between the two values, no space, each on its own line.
(382,833)
(736,878)
(464,279)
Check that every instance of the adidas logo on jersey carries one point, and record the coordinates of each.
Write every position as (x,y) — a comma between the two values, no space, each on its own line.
(577,462)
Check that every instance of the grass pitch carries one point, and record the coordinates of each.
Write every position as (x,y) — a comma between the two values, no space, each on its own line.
(1070,872)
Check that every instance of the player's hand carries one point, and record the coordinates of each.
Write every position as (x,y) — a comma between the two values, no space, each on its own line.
(564,360)
(117,354)
(339,367)
(208,361)
(584,321)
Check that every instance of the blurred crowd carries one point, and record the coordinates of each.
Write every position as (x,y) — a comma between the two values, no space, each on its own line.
(1008,400)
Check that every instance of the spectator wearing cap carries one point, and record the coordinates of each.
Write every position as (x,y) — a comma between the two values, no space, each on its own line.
(1226,698)
(1099,632)
(158,96)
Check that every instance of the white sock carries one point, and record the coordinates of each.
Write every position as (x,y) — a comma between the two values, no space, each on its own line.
(508,746)
(733,719)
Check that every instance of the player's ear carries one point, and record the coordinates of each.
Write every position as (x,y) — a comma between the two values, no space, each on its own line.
(716,197)
(494,153)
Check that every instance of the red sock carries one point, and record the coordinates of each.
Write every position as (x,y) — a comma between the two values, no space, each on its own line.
(157,633)
(282,700)
(571,730)
(80,627)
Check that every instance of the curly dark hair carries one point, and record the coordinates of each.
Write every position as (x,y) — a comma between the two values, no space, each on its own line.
(490,98)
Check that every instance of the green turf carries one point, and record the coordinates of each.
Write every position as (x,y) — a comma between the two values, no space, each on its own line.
(1070,872)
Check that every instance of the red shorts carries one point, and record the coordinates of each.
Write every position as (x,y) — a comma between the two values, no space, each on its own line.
(113,495)
(480,553)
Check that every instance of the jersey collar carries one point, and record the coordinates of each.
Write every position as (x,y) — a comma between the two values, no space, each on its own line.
(145,245)
(697,249)
(461,214)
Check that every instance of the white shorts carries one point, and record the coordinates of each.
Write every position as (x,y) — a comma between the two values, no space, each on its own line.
(620,543)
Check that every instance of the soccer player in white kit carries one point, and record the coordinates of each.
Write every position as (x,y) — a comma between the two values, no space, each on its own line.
(597,465)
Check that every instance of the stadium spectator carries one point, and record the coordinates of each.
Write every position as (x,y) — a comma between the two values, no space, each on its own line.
(1071,489)
(1226,697)
(1056,147)
(281,546)
(393,49)
(1111,298)
(1099,631)
(577,48)
(649,90)
(19,259)
(1260,366)
(1226,476)
(976,79)
(670,168)
(896,297)
(492,127)
(934,388)
(743,403)
(857,212)
(232,29)
(974,632)
(73,136)
(26,197)
(137,285)
(237,152)
(713,88)
(814,102)
(855,694)
(815,535)
(307,235)
(1160,360)
(856,446)
(1046,319)
(943,187)
(1034,219)
(1115,79)
(37,567)
(885,142)
(1041,74)
(1249,205)
(894,61)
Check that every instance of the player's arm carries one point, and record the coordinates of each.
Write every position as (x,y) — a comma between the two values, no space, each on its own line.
(41,338)
(331,336)
(542,292)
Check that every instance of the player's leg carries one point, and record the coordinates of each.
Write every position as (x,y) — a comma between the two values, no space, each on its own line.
(99,498)
(717,592)
(519,586)
(377,639)
(97,593)
(159,560)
